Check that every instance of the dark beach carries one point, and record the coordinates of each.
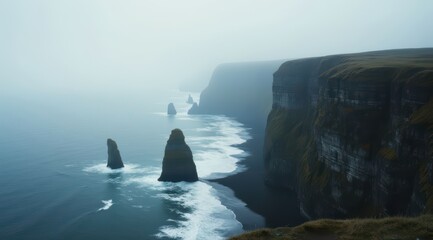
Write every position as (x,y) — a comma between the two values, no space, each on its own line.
(279,208)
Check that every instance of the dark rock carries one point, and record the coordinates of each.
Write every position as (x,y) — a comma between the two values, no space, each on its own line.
(190,100)
(171,110)
(178,164)
(114,158)
(194,109)
(353,134)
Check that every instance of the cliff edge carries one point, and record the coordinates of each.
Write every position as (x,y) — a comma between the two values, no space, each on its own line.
(353,134)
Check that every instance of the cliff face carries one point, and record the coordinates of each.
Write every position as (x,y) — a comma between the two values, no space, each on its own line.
(353,134)
(241,90)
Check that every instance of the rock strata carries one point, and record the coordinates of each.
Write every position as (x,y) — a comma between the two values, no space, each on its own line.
(353,134)
(178,164)
(114,159)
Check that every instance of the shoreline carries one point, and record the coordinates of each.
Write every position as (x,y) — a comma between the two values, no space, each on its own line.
(278,208)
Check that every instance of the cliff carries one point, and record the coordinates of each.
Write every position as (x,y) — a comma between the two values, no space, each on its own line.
(353,134)
(178,164)
(240,90)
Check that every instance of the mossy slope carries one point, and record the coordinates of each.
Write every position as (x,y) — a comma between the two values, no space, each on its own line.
(401,228)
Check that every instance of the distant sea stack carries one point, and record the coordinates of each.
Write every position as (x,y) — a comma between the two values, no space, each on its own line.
(190,100)
(178,164)
(194,109)
(171,110)
(114,158)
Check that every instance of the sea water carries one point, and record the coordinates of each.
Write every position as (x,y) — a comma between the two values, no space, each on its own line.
(55,183)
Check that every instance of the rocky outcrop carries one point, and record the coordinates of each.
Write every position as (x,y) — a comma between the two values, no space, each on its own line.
(190,100)
(194,109)
(353,134)
(171,110)
(114,159)
(240,90)
(178,164)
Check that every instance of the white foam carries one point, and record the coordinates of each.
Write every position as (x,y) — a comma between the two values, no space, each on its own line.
(200,212)
(150,180)
(107,204)
(211,162)
(102,168)
(207,218)
(221,156)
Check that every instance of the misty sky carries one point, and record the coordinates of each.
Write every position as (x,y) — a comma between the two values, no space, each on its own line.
(88,45)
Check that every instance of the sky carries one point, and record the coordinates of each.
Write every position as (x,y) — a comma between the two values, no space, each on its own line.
(100,46)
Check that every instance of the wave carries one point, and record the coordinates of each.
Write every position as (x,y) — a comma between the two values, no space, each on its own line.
(208,218)
(103,169)
(107,205)
(201,215)
(198,210)
(219,154)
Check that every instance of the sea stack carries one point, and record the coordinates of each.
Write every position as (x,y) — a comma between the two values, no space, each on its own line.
(171,110)
(194,109)
(178,164)
(114,159)
(190,100)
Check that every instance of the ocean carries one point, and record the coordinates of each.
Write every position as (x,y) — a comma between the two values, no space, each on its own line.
(55,183)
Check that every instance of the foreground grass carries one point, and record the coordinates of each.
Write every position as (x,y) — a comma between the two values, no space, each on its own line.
(393,228)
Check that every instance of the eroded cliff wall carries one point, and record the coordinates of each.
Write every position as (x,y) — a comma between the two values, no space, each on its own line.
(353,134)
(241,90)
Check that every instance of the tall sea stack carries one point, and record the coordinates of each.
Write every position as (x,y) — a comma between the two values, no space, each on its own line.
(114,159)
(178,164)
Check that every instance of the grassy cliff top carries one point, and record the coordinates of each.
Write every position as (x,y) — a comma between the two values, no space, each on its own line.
(382,65)
(377,66)
(401,228)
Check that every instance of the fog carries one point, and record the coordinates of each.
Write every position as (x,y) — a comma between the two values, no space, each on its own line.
(134,46)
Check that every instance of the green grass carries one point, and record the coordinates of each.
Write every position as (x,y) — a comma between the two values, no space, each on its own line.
(393,228)
(380,67)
